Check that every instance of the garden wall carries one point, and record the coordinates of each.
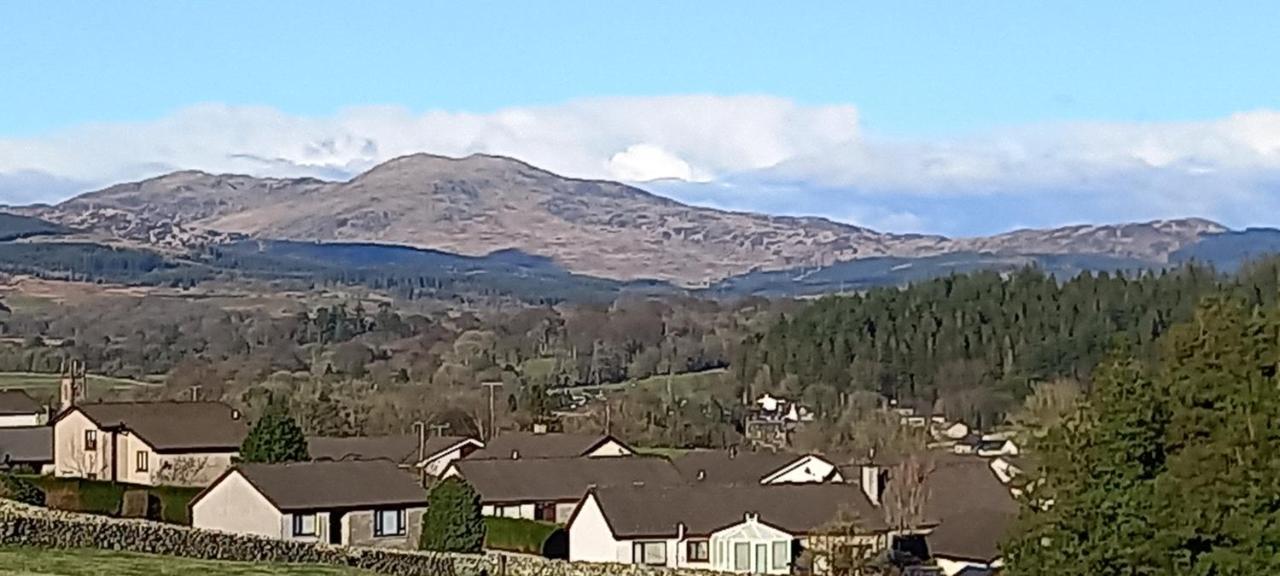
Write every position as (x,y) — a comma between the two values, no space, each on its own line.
(28,526)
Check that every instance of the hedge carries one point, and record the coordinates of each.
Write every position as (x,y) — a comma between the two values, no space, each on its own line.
(519,535)
(107,498)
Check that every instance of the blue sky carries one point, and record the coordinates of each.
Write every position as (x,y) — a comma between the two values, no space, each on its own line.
(919,83)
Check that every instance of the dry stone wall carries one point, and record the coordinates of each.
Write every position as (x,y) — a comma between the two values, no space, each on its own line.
(28,526)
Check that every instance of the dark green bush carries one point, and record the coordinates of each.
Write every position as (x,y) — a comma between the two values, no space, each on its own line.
(452,522)
(519,535)
(21,490)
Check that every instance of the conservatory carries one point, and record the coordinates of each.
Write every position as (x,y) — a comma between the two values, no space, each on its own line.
(752,547)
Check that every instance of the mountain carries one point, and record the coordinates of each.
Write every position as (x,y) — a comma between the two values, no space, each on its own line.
(482,204)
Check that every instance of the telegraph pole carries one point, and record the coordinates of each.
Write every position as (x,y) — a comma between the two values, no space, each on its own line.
(491,386)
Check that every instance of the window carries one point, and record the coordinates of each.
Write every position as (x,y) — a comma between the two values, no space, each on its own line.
(742,556)
(507,511)
(304,524)
(388,523)
(649,553)
(142,461)
(762,557)
(698,550)
(781,555)
(90,440)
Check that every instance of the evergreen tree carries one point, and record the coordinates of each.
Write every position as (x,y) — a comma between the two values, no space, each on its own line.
(452,522)
(275,437)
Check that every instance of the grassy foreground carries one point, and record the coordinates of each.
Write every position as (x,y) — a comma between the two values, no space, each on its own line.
(32,562)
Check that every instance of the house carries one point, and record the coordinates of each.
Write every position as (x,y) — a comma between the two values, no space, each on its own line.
(733,467)
(147,443)
(750,529)
(18,409)
(354,502)
(29,448)
(548,489)
(973,510)
(433,456)
(518,445)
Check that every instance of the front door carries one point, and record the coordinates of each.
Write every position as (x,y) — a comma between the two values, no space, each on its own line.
(335,527)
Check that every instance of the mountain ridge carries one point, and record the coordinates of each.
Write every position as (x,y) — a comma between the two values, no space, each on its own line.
(481,204)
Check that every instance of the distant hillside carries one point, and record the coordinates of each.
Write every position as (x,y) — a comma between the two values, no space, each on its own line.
(483,204)
(15,227)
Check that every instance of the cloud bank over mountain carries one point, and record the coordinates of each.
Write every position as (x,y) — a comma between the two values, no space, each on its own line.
(742,152)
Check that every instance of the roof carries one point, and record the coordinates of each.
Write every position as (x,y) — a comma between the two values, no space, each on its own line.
(726,468)
(560,479)
(18,402)
(402,449)
(348,484)
(549,445)
(172,426)
(636,512)
(26,445)
(972,507)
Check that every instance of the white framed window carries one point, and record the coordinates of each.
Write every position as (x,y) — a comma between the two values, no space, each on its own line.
(698,550)
(781,555)
(90,440)
(388,523)
(143,461)
(304,524)
(742,556)
(649,553)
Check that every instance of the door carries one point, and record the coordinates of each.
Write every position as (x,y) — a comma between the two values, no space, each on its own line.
(762,559)
(335,527)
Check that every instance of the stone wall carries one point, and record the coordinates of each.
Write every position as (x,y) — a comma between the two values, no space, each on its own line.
(27,526)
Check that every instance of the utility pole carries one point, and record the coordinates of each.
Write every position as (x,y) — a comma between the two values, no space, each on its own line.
(491,386)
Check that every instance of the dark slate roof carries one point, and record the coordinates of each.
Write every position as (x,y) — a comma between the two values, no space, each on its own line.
(635,512)
(531,445)
(402,449)
(561,479)
(173,426)
(972,507)
(17,402)
(725,468)
(346,485)
(26,445)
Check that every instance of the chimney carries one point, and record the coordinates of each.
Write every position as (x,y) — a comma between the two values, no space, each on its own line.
(702,475)
(680,530)
(515,454)
(873,481)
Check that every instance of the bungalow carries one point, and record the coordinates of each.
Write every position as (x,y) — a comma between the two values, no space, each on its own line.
(733,468)
(518,445)
(365,503)
(19,410)
(433,456)
(548,489)
(147,443)
(750,529)
(29,448)
(973,509)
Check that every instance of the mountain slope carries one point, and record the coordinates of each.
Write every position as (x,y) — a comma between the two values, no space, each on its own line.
(482,204)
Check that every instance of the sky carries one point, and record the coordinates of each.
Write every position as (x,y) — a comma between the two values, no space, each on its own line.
(948,117)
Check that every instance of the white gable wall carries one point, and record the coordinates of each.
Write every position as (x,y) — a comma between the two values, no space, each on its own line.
(234,505)
(807,470)
(591,539)
(70,458)
(438,465)
(610,448)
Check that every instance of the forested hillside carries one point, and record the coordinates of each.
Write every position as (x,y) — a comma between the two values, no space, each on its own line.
(974,344)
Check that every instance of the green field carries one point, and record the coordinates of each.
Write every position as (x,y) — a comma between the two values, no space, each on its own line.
(31,562)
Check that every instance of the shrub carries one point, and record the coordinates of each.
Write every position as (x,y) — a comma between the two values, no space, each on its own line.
(20,489)
(453,522)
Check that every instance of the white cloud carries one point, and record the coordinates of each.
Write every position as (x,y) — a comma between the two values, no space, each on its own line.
(743,152)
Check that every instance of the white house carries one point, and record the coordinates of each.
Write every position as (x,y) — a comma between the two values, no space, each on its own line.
(528,445)
(548,489)
(147,443)
(748,529)
(993,447)
(739,467)
(19,410)
(433,456)
(360,502)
